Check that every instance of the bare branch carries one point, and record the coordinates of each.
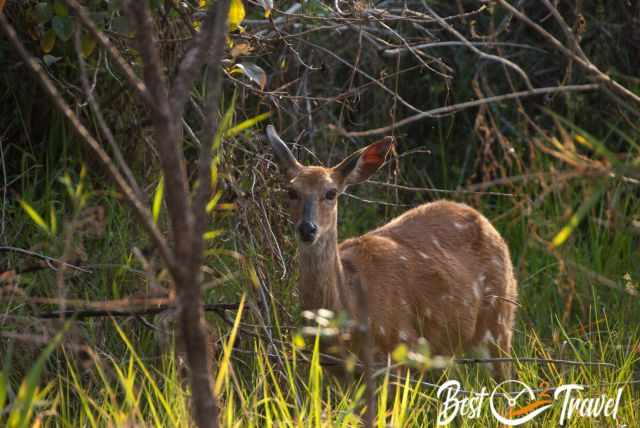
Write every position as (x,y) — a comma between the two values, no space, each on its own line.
(481,54)
(183,211)
(166,135)
(566,30)
(49,260)
(611,84)
(133,80)
(363,73)
(219,11)
(396,51)
(196,55)
(106,131)
(457,107)
(99,313)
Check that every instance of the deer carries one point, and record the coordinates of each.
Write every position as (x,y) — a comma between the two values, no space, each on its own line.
(439,271)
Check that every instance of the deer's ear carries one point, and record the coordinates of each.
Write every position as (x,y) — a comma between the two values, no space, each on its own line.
(361,165)
(288,163)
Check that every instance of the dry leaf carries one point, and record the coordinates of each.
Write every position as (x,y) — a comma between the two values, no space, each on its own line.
(242,48)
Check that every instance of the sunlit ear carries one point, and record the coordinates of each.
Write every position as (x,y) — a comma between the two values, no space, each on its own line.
(288,163)
(361,165)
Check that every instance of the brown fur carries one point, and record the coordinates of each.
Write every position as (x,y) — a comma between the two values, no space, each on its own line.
(439,271)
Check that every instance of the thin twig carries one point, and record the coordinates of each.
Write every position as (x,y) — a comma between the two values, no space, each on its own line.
(399,50)
(106,131)
(48,259)
(477,51)
(535,360)
(94,313)
(133,80)
(434,190)
(586,64)
(461,106)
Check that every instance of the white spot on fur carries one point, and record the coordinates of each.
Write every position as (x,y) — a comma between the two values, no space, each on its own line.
(381,328)
(481,278)
(325,313)
(404,302)
(436,242)
(476,289)
(427,312)
(488,338)
(459,225)
(403,335)
(500,319)
(497,262)
(423,255)
(403,258)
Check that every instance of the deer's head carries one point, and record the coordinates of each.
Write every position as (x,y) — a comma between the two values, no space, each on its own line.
(313,190)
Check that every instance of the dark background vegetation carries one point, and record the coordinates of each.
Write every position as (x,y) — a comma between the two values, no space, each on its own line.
(529,165)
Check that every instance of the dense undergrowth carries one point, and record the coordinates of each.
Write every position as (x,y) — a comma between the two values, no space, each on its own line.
(558,176)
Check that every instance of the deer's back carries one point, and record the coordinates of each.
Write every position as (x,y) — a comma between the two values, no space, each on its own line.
(441,271)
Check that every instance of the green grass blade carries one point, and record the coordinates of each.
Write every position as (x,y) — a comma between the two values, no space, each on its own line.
(34,216)
(22,408)
(228,348)
(157,200)
(246,124)
(564,233)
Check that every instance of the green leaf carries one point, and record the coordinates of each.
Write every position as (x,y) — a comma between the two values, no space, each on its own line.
(49,60)
(212,234)
(249,123)
(236,14)
(254,72)
(3,388)
(53,220)
(48,41)
(43,12)
(213,202)
(63,27)
(267,5)
(60,9)
(214,172)
(400,354)
(223,367)
(224,124)
(298,341)
(157,200)
(33,215)
(88,45)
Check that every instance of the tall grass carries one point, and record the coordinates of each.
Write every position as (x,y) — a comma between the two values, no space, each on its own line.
(256,391)
(588,314)
(578,301)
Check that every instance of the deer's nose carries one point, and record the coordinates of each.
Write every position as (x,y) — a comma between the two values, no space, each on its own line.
(308,231)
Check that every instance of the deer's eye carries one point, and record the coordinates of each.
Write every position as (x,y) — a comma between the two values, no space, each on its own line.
(331,194)
(292,194)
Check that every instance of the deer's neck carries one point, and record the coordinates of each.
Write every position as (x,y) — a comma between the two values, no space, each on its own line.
(321,274)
